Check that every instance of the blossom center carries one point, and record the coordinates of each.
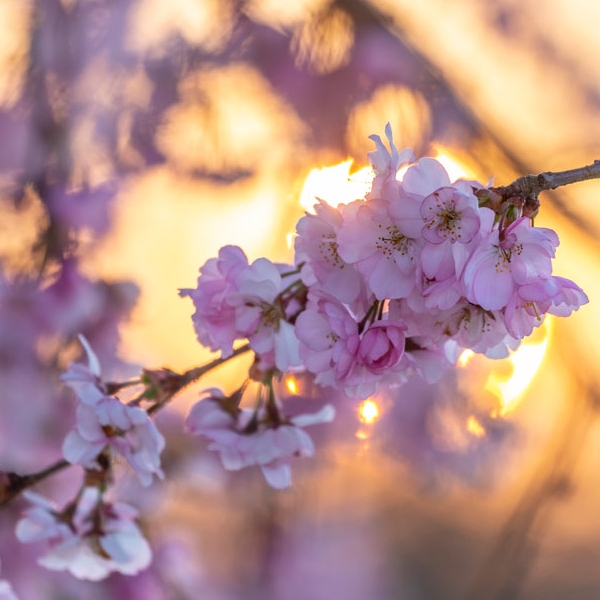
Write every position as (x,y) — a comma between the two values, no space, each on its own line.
(271,316)
(392,241)
(506,250)
(329,251)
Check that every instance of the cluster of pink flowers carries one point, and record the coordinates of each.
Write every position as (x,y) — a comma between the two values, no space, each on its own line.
(105,424)
(262,437)
(391,285)
(90,538)
(397,283)
(236,300)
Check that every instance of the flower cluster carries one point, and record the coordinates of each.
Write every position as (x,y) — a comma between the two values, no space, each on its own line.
(236,300)
(90,538)
(397,283)
(262,437)
(105,424)
(394,284)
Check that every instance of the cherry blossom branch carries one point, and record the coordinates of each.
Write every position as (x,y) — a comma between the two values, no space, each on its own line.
(163,385)
(166,383)
(533,185)
(524,191)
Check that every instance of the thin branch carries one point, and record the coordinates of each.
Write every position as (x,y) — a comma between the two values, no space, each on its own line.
(175,382)
(197,372)
(12,484)
(530,186)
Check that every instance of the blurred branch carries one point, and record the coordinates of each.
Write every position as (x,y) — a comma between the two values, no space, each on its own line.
(12,484)
(504,572)
(166,383)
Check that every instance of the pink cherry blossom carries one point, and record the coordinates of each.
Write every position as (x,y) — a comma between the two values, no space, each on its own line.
(316,249)
(505,259)
(104,422)
(385,166)
(450,214)
(90,538)
(482,331)
(531,301)
(381,346)
(112,425)
(260,312)
(86,382)
(568,298)
(424,178)
(214,319)
(380,252)
(246,437)
(341,356)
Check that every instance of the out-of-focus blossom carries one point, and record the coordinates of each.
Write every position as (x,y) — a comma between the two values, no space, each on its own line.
(105,423)
(244,437)
(126,430)
(83,209)
(6,591)
(89,538)
(86,381)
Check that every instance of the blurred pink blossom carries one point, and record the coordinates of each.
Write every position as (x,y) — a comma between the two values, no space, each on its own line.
(90,538)
(246,437)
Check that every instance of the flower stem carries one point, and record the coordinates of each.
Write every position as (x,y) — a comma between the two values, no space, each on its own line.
(178,382)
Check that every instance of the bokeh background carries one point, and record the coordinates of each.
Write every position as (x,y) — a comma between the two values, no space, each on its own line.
(139,136)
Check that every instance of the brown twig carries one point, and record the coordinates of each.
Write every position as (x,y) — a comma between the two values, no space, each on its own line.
(172,383)
(530,186)
(12,484)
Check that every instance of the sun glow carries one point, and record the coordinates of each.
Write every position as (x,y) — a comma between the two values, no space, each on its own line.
(454,168)
(368,412)
(465,357)
(292,385)
(525,363)
(335,185)
(474,427)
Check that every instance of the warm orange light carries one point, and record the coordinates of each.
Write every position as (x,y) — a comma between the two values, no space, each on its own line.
(525,363)
(465,357)
(335,185)
(474,427)
(368,412)
(292,385)
(454,168)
